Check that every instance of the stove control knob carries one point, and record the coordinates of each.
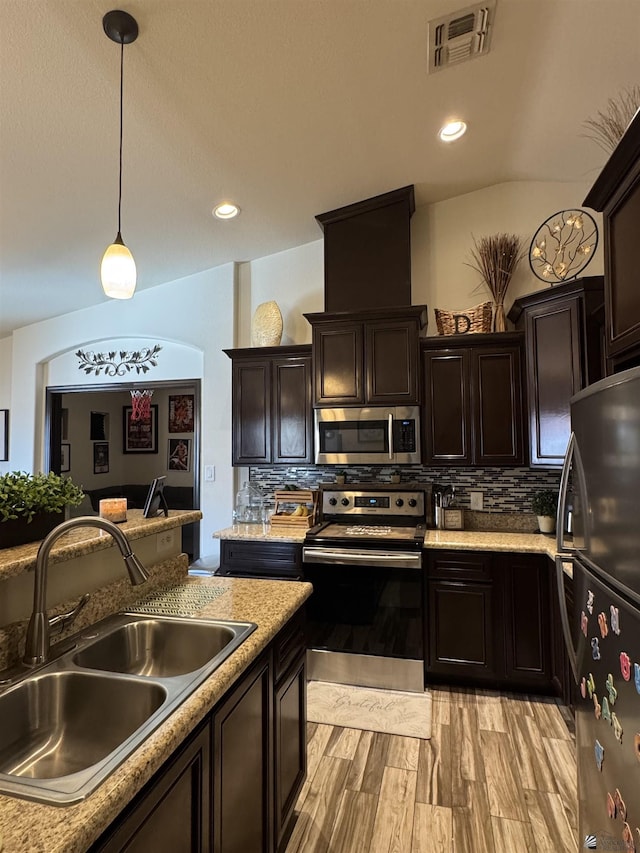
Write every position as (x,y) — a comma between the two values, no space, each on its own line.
(412,501)
(333,501)
(399,502)
(345,501)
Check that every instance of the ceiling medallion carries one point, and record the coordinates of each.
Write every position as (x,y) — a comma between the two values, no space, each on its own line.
(563,246)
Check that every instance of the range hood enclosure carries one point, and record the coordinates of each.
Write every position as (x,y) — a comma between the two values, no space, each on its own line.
(367,252)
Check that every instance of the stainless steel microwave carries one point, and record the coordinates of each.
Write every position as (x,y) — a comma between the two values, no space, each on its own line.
(370,436)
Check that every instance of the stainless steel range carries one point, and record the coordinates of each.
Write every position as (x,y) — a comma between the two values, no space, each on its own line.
(364,559)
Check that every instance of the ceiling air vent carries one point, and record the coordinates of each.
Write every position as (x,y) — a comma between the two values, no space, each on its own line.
(460,36)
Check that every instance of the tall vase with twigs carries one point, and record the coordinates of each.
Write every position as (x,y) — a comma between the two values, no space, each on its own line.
(496,258)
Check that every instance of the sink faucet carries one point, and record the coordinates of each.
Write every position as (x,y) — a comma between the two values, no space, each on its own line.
(39,629)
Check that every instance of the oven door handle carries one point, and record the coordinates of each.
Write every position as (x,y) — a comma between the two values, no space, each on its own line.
(324,555)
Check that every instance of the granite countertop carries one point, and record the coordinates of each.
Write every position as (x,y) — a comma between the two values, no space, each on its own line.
(262,533)
(41,828)
(86,540)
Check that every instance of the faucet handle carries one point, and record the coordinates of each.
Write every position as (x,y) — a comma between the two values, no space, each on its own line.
(63,620)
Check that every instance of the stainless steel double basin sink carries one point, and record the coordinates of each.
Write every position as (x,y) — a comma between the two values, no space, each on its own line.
(67,726)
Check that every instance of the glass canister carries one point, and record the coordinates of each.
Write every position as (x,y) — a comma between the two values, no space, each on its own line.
(249,508)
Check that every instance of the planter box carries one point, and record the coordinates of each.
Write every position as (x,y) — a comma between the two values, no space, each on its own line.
(19,532)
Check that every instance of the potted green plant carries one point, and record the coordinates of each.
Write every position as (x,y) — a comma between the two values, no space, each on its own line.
(545,505)
(341,475)
(395,475)
(31,505)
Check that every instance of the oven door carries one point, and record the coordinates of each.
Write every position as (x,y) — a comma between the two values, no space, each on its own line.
(365,617)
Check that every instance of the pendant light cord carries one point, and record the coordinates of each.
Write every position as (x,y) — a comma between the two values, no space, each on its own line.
(120,169)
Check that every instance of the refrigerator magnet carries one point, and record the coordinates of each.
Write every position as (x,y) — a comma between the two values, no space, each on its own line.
(584,623)
(615,620)
(597,707)
(602,622)
(636,676)
(625,666)
(595,649)
(621,809)
(611,690)
(583,687)
(606,713)
(611,806)
(589,601)
(591,685)
(636,745)
(627,837)
(617,727)
(599,752)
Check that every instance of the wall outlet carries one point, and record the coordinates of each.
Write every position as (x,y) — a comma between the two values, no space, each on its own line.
(166,541)
(477,500)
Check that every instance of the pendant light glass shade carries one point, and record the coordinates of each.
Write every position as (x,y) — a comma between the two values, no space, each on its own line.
(118,271)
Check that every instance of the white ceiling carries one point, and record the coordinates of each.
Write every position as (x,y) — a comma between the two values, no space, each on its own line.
(288,107)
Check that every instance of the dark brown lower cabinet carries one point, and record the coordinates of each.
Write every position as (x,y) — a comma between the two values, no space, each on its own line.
(173,812)
(232,786)
(489,620)
(290,713)
(242,749)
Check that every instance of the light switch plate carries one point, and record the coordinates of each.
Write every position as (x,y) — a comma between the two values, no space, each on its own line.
(477,501)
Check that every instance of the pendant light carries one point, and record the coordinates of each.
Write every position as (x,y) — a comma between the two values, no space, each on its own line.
(118,269)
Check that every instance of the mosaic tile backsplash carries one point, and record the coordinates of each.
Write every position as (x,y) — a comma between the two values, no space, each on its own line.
(505,489)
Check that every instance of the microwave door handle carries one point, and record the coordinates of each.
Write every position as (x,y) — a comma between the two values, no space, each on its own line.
(561,547)
(564,619)
(390,437)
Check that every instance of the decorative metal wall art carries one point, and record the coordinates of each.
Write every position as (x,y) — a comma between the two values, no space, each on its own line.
(563,246)
(118,363)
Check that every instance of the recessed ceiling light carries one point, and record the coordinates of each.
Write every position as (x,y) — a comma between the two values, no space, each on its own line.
(226,210)
(452,130)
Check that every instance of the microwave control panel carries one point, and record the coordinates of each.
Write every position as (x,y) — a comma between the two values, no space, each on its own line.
(404,435)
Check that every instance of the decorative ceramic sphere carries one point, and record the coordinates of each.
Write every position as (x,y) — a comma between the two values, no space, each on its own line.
(266,325)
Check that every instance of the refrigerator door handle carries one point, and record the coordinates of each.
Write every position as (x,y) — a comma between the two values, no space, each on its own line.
(561,548)
(564,619)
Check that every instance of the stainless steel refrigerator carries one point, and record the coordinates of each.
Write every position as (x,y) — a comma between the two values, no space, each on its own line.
(602,473)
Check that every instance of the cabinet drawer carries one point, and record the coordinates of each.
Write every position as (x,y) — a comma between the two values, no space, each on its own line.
(459,565)
(260,559)
(289,644)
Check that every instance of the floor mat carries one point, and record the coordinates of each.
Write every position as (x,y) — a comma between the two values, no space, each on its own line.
(390,711)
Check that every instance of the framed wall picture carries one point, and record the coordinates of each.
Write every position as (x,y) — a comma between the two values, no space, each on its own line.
(101,458)
(99,426)
(140,436)
(179,454)
(65,457)
(4,435)
(181,413)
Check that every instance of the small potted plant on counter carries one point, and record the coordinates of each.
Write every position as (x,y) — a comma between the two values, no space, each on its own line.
(341,475)
(545,505)
(395,476)
(31,505)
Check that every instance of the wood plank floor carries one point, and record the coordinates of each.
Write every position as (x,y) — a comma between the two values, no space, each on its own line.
(497,776)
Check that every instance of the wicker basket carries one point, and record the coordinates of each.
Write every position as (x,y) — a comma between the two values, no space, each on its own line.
(466,321)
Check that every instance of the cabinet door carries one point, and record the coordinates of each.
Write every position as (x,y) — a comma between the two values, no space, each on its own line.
(497,406)
(461,630)
(338,362)
(527,619)
(290,716)
(242,755)
(554,376)
(251,412)
(391,362)
(447,419)
(173,812)
(292,433)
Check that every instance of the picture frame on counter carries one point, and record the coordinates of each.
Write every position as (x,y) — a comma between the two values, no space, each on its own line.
(65,457)
(139,436)
(101,457)
(4,435)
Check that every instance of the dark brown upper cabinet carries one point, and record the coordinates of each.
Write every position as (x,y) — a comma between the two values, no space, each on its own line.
(368,357)
(271,405)
(616,194)
(473,400)
(367,252)
(564,329)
